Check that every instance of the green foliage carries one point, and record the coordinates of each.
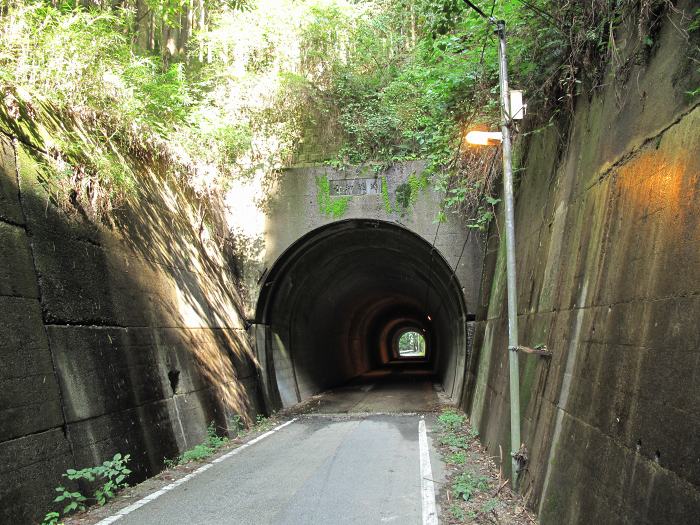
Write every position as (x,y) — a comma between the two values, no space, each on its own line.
(111,475)
(484,214)
(457,512)
(412,343)
(262,423)
(51,518)
(201,451)
(236,426)
(491,504)
(332,206)
(385,195)
(107,478)
(73,500)
(454,440)
(407,193)
(234,140)
(695,23)
(379,80)
(451,421)
(84,58)
(467,484)
(456,458)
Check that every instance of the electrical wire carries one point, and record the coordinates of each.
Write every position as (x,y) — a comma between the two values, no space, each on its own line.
(476,8)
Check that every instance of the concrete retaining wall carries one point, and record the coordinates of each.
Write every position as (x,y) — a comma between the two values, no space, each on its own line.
(121,338)
(608,250)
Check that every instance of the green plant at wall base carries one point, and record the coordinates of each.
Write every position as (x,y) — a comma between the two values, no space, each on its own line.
(51,518)
(262,423)
(199,452)
(490,505)
(111,473)
(457,512)
(467,484)
(453,440)
(451,420)
(334,207)
(110,476)
(74,501)
(236,426)
(456,458)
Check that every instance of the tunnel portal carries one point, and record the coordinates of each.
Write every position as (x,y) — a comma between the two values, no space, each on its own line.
(336,302)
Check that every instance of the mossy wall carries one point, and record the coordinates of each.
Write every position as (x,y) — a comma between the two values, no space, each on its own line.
(608,261)
(121,335)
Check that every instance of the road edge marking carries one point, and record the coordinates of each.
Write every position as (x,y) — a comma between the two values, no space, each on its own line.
(155,495)
(427,485)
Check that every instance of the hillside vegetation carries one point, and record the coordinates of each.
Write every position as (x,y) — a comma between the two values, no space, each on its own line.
(229,88)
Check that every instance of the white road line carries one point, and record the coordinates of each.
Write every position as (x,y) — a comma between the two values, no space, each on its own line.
(430,516)
(155,495)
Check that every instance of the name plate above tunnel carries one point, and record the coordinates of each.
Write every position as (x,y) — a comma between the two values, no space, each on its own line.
(355,186)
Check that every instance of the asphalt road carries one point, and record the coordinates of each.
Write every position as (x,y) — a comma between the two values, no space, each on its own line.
(320,469)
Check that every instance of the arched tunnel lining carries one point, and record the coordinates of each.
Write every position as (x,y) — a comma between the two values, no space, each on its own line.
(333,302)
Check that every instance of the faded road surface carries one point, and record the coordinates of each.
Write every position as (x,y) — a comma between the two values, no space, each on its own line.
(320,469)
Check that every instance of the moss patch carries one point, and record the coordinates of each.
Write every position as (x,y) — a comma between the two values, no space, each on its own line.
(385,195)
(407,193)
(328,205)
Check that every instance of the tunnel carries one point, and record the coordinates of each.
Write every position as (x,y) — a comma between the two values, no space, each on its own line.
(336,303)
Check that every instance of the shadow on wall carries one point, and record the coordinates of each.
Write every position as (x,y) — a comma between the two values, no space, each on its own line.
(141,320)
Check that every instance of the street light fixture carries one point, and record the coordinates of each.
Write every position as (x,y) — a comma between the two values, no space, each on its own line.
(484,138)
(507,116)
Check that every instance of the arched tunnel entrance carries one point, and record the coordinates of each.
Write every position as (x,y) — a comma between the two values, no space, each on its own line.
(336,303)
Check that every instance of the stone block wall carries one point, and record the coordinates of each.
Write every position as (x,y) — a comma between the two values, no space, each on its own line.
(120,337)
(608,261)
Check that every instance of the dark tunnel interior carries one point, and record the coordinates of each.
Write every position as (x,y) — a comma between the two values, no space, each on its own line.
(337,301)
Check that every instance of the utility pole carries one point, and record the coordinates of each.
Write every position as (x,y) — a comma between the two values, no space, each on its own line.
(506,120)
(510,253)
